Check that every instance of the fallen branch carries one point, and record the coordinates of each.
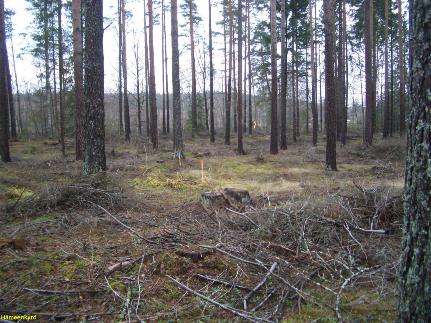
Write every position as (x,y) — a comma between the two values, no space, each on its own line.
(242,214)
(59,292)
(343,286)
(227,308)
(222,282)
(233,256)
(259,285)
(267,297)
(121,223)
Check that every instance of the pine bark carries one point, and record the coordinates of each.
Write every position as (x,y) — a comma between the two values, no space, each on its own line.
(166,74)
(283,79)
(147,77)
(94,156)
(250,116)
(124,63)
(12,117)
(330,84)
(401,69)
(212,132)
(193,62)
(415,266)
(163,71)
(341,93)
(120,69)
(313,80)
(386,114)
(240,147)
(78,78)
(4,111)
(369,95)
(61,76)
(176,86)
(18,94)
(229,82)
(274,117)
(152,79)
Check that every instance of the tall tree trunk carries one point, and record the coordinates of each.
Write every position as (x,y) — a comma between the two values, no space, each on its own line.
(152,79)
(124,61)
(386,108)
(274,117)
(307,94)
(147,101)
(313,79)
(61,77)
(341,95)
(293,91)
(212,133)
(166,73)
(320,94)
(368,38)
(330,84)
(4,111)
(240,96)
(250,116)
(94,157)
(401,69)
(235,89)
(297,93)
(244,89)
(229,84)
(283,79)
(163,71)
(204,80)
(346,71)
(138,84)
(120,68)
(18,95)
(13,132)
(78,78)
(225,60)
(375,66)
(193,62)
(54,96)
(176,86)
(415,269)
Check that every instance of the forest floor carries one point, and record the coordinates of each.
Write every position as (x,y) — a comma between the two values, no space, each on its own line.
(137,244)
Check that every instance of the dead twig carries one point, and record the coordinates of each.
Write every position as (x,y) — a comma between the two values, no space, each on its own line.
(59,292)
(259,285)
(121,223)
(222,282)
(227,308)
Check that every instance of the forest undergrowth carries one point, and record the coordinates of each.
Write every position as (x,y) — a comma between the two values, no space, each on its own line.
(137,243)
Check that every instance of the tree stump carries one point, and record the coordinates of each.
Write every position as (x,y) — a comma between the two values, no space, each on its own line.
(213,200)
(237,195)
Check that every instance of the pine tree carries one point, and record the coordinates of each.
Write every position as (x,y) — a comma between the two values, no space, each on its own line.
(176,86)
(274,117)
(240,96)
(4,113)
(78,78)
(415,269)
(212,132)
(125,71)
(369,106)
(330,84)
(283,78)
(152,79)
(94,156)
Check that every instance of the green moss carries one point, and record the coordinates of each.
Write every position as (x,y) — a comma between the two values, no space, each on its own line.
(71,268)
